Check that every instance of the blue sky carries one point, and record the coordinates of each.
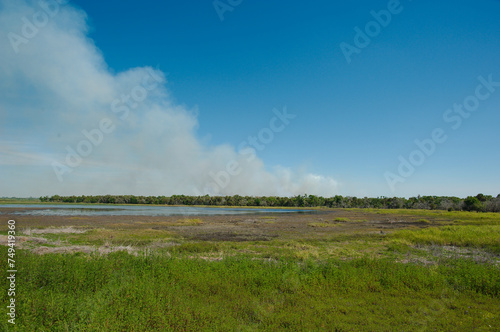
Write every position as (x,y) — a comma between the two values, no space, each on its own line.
(353,120)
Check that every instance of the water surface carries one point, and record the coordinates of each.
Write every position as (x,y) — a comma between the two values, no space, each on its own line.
(133,210)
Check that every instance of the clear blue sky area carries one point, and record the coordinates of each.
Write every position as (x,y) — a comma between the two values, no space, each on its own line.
(365,79)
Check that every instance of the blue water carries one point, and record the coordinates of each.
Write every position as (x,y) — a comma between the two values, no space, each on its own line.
(133,210)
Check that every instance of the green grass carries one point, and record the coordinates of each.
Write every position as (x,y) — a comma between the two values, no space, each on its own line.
(187,222)
(484,237)
(478,218)
(19,201)
(342,275)
(196,247)
(117,237)
(121,292)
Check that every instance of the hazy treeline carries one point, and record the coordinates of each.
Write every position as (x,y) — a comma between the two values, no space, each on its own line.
(479,202)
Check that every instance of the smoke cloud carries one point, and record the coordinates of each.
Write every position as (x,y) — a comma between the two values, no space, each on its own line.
(71,126)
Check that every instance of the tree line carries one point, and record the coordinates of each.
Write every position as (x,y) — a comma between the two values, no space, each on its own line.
(480,202)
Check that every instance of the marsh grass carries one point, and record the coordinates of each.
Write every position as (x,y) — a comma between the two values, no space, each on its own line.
(124,237)
(187,221)
(485,237)
(321,224)
(19,201)
(268,219)
(438,273)
(54,230)
(196,247)
(478,218)
(333,223)
(121,292)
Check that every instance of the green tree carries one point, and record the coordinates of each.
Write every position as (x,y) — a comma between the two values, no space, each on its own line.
(471,203)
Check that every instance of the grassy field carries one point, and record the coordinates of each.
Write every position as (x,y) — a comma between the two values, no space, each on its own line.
(345,270)
(4,200)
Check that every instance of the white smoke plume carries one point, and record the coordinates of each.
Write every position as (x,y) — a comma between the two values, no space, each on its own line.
(68,125)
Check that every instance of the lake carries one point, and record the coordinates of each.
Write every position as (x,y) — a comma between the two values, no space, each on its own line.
(134,210)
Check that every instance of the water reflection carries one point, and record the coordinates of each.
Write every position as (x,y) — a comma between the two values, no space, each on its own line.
(134,210)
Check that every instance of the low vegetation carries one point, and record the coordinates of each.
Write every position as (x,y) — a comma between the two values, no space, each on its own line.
(473,236)
(121,292)
(340,270)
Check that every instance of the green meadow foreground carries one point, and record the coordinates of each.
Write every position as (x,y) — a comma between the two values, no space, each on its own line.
(335,270)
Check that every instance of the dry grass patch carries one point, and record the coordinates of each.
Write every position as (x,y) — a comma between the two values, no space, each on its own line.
(136,237)
(321,224)
(268,220)
(188,222)
(303,250)
(54,230)
(102,250)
